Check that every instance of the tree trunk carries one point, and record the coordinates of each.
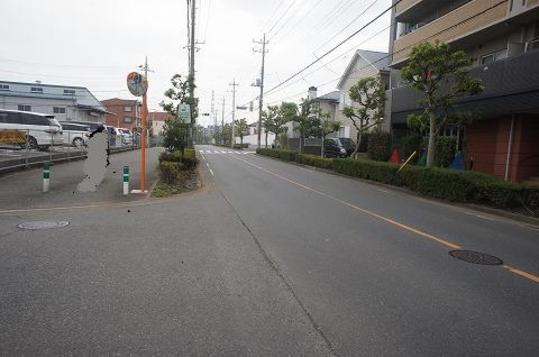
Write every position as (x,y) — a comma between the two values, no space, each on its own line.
(432,140)
(322,147)
(266,143)
(358,144)
(300,143)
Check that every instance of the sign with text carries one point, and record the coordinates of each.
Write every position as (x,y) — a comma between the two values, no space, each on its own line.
(184,113)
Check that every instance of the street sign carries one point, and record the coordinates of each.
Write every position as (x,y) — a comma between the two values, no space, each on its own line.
(137,84)
(184,113)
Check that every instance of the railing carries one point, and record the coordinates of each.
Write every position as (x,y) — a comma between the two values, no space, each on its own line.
(514,77)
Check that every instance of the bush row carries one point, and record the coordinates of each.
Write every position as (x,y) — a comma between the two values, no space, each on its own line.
(457,186)
(174,168)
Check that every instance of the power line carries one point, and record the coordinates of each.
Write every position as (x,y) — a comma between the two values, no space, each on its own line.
(335,47)
(390,55)
(348,25)
(282,16)
(283,25)
(300,20)
(354,48)
(274,12)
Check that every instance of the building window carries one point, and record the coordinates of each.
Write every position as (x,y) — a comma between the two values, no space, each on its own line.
(488,59)
(59,110)
(4,87)
(128,120)
(36,90)
(25,108)
(341,132)
(128,108)
(69,92)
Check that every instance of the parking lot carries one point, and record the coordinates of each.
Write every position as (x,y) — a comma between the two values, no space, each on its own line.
(23,189)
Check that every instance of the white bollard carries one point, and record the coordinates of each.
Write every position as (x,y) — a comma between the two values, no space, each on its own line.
(126,180)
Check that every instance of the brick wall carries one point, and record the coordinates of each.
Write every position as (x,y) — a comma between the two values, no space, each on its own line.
(487,143)
(118,119)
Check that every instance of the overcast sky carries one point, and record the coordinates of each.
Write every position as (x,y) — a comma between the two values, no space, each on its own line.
(96,43)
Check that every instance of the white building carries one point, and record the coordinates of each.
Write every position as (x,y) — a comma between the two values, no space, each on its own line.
(252,137)
(64,102)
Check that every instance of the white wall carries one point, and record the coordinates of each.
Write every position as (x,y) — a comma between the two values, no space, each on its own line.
(253,139)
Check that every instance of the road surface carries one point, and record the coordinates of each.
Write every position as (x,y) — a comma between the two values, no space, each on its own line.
(269,259)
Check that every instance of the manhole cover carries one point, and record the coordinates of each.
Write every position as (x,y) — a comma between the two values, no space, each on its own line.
(470,256)
(34,225)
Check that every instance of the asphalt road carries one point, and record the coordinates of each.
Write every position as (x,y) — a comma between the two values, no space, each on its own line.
(268,259)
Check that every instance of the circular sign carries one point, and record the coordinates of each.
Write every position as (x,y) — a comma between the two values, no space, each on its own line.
(137,84)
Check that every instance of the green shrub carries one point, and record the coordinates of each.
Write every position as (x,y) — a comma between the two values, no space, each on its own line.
(379,146)
(287,155)
(445,151)
(314,160)
(457,186)
(408,144)
(367,169)
(188,162)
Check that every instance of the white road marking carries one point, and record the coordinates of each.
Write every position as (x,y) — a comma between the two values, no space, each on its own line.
(223,152)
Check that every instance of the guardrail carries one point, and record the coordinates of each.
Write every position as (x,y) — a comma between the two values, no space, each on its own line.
(26,148)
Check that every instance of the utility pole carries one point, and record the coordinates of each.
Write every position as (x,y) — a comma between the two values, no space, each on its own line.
(192,65)
(223,122)
(234,85)
(212,111)
(144,124)
(263,42)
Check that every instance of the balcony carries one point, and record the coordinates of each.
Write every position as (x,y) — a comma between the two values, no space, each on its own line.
(469,18)
(511,87)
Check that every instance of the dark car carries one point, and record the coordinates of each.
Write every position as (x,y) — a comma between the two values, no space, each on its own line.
(339,147)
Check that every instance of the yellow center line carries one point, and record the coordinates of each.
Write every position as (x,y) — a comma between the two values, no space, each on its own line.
(532,277)
(351,205)
(523,274)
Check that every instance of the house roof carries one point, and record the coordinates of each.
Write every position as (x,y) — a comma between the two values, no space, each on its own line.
(81,95)
(379,60)
(334,96)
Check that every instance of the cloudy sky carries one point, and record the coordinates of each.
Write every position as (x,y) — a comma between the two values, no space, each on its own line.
(96,43)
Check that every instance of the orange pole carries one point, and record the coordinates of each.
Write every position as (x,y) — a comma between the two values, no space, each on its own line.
(143,145)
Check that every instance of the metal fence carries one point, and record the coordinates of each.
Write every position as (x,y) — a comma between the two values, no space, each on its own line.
(23,148)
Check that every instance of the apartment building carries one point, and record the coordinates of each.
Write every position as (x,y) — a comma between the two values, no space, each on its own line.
(123,113)
(64,102)
(156,122)
(502,38)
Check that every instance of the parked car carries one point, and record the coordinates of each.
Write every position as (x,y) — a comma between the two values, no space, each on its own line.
(75,134)
(339,147)
(127,137)
(43,130)
(115,137)
(90,124)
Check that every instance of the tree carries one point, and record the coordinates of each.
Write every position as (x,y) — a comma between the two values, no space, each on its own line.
(242,128)
(441,74)
(226,134)
(326,127)
(175,132)
(369,94)
(179,93)
(273,122)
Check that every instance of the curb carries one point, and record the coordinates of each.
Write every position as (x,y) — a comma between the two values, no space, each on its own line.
(38,161)
(533,222)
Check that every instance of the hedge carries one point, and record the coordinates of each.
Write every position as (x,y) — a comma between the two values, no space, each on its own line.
(451,185)
(379,146)
(175,169)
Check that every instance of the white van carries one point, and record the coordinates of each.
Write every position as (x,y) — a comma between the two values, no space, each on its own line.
(127,137)
(75,134)
(43,129)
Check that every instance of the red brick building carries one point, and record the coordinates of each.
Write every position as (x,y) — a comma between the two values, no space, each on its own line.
(126,112)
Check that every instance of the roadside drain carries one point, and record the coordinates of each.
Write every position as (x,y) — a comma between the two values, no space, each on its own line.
(35,225)
(473,257)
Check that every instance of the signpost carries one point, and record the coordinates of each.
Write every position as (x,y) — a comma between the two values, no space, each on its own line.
(184,113)
(138,86)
